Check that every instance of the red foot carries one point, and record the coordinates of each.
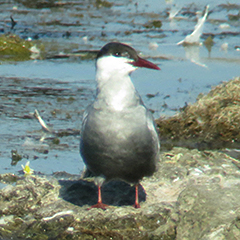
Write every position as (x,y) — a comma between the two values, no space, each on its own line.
(136,205)
(99,205)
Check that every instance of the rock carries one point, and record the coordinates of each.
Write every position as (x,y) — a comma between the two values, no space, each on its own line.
(210,123)
(193,195)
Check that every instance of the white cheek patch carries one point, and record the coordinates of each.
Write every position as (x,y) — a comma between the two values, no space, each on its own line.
(115,65)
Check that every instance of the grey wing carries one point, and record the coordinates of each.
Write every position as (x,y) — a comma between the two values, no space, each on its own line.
(85,115)
(87,172)
(152,127)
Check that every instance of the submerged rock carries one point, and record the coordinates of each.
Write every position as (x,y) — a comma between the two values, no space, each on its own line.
(193,195)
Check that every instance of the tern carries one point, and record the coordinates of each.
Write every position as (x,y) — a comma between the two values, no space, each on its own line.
(119,139)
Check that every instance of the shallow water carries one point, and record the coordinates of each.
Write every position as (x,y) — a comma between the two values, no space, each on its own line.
(61,89)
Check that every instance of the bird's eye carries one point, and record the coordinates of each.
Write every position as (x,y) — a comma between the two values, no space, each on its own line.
(122,54)
(118,54)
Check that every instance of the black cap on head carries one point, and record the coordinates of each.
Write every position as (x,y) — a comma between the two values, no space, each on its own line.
(122,50)
(118,50)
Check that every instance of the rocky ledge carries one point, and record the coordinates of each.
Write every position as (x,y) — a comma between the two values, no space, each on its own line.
(193,195)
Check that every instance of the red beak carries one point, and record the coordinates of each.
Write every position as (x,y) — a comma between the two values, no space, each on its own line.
(144,63)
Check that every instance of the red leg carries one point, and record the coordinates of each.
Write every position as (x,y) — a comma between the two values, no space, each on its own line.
(136,205)
(99,203)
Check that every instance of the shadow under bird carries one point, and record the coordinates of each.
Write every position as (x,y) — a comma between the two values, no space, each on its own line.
(118,138)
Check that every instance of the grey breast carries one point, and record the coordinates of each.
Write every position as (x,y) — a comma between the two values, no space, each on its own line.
(120,144)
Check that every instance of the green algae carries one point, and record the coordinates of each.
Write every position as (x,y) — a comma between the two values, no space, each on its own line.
(13,48)
(208,43)
(234,17)
(16,157)
(101,3)
(38,3)
(8,178)
(153,24)
(56,141)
